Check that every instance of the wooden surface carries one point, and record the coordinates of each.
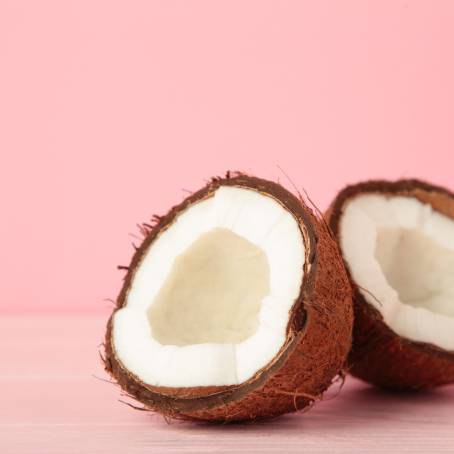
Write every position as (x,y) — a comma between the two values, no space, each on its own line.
(52,403)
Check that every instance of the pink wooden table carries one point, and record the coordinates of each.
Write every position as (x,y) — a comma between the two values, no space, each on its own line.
(51,403)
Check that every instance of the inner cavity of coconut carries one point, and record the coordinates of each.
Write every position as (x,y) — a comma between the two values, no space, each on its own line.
(401,254)
(210,301)
(213,292)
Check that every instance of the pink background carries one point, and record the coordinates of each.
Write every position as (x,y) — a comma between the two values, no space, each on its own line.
(109,109)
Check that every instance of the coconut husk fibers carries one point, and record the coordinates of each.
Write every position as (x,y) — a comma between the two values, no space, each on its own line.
(318,333)
(379,355)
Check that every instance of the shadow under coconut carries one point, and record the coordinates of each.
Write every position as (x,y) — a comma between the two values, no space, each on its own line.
(371,419)
(358,407)
(429,396)
(376,406)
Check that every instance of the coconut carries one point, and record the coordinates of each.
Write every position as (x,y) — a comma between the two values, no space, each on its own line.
(236,306)
(397,240)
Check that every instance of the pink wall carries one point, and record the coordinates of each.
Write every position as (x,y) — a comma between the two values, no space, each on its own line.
(109,109)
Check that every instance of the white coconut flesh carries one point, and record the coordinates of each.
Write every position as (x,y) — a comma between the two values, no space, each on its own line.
(210,301)
(401,254)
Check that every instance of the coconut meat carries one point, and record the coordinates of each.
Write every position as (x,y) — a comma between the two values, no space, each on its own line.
(400,252)
(209,303)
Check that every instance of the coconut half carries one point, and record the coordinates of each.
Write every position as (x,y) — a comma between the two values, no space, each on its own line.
(397,240)
(236,306)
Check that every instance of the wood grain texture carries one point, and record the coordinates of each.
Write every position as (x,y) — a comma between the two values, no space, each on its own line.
(52,403)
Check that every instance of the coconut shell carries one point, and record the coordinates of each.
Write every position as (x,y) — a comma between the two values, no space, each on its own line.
(318,332)
(379,355)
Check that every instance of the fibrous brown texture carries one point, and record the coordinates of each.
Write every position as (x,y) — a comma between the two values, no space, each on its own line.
(318,332)
(379,355)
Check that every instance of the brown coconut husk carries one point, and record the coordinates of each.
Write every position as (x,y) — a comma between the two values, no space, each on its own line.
(379,355)
(318,332)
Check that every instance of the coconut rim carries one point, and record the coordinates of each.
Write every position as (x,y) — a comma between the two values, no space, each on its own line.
(203,397)
(406,188)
